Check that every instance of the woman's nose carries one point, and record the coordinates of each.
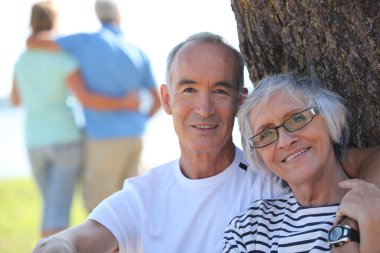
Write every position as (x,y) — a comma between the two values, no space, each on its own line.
(285,138)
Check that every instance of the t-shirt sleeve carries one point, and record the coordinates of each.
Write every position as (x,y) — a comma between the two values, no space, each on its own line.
(120,214)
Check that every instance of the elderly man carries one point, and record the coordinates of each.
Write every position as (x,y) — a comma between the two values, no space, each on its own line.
(184,205)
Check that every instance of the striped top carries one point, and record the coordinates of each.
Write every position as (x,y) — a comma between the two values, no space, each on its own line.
(280,225)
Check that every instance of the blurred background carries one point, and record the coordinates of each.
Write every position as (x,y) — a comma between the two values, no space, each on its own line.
(155,26)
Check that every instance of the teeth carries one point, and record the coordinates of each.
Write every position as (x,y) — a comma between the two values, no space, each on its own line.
(295,155)
(206,127)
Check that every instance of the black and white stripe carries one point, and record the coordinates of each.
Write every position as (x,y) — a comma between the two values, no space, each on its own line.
(280,225)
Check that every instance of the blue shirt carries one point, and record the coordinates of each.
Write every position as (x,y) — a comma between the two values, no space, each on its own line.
(110,66)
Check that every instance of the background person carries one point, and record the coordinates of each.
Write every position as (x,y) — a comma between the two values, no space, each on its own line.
(110,66)
(41,81)
(52,137)
(298,131)
(184,205)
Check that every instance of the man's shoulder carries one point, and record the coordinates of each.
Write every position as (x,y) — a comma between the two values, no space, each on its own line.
(162,169)
(72,36)
(160,173)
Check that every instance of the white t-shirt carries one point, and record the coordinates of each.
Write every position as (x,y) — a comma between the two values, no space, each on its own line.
(163,211)
(280,225)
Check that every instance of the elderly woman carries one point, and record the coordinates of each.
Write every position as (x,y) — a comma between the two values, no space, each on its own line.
(298,131)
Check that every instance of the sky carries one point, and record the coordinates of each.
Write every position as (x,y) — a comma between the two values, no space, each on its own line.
(155,26)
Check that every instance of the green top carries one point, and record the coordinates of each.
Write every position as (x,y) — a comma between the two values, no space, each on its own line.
(40,77)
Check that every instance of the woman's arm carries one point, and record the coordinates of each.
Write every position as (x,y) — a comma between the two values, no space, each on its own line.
(363,163)
(90,236)
(15,95)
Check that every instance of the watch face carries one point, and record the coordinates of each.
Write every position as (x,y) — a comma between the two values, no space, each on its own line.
(335,234)
(341,234)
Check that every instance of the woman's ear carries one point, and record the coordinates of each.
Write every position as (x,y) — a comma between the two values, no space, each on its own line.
(165,99)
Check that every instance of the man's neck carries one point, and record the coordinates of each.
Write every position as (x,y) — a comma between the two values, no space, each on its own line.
(198,165)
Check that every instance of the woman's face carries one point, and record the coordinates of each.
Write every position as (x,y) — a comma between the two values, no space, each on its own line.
(297,157)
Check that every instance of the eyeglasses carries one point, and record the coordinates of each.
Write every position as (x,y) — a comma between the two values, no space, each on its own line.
(294,123)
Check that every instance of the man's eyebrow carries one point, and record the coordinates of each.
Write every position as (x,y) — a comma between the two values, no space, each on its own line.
(185,81)
(225,84)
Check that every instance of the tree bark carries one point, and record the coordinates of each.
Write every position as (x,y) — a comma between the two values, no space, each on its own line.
(337,42)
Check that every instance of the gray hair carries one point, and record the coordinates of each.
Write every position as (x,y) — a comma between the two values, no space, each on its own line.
(208,37)
(305,90)
(106,11)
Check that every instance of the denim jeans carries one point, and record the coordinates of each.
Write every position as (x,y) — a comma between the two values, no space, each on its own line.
(56,169)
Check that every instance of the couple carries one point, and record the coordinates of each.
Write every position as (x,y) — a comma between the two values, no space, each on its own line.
(185,205)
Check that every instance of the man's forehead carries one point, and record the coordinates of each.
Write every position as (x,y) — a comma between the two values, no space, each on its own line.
(206,55)
(201,48)
(198,61)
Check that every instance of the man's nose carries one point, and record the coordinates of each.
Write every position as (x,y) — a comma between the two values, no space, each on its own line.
(205,106)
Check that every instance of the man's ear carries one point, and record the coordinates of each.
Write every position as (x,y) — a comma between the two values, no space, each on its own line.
(165,98)
(243,96)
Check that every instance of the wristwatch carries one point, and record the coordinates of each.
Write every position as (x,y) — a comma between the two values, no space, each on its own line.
(340,234)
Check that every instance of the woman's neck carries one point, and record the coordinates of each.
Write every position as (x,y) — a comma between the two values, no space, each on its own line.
(323,190)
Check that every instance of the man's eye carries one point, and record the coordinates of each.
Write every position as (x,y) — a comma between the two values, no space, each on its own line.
(188,90)
(221,92)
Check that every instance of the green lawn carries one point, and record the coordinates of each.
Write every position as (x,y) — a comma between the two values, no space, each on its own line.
(20,213)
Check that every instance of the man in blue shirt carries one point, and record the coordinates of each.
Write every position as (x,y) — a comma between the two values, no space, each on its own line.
(110,66)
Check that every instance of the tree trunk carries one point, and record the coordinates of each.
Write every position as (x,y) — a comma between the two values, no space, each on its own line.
(337,42)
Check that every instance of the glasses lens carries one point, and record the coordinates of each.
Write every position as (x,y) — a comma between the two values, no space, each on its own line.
(292,124)
(264,138)
(298,121)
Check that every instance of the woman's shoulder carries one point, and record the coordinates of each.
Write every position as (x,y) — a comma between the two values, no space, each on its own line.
(263,206)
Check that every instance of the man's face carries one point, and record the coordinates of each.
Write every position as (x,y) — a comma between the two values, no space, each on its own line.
(203,96)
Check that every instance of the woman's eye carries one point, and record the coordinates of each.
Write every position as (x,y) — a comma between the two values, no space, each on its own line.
(264,135)
(299,118)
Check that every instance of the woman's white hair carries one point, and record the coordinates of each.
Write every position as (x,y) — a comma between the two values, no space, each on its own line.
(305,90)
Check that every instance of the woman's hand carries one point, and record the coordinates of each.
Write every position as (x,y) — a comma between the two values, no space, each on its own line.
(362,204)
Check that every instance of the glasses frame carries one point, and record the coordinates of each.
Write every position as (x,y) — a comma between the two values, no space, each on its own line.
(314,111)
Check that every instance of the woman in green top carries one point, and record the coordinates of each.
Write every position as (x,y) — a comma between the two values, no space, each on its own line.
(53,139)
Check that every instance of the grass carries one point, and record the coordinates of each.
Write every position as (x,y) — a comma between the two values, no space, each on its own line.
(20,214)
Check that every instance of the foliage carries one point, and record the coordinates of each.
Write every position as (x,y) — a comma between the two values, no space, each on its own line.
(20,208)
